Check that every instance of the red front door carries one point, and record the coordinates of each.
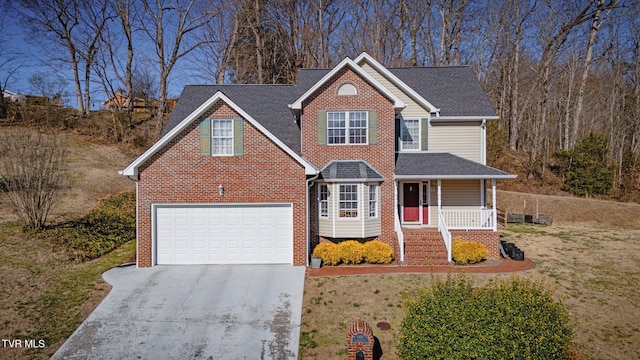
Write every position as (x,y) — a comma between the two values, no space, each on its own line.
(411,193)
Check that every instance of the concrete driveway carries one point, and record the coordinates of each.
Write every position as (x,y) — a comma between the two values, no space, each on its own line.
(194,312)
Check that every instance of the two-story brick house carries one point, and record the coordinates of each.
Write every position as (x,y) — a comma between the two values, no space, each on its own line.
(262,173)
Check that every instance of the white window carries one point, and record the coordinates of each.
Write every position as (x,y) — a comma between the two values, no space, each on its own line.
(410,134)
(373,201)
(222,136)
(347,127)
(323,198)
(348,204)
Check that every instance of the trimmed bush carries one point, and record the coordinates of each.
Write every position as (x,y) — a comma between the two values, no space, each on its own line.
(351,252)
(468,252)
(514,318)
(377,252)
(328,252)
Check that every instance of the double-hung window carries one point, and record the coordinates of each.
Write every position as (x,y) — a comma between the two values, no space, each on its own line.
(347,127)
(410,134)
(323,198)
(348,204)
(222,136)
(373,201)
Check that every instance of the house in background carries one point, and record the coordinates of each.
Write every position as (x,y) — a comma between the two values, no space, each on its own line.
(250,174)
(14,97)
(121,102)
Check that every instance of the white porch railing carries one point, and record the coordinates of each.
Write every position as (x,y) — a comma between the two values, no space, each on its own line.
(446,234)
(468,219)
(400,235)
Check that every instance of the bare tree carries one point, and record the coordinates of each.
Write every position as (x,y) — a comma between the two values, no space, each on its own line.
(218,38)
(172,43)
(596,22)
(58,21)
(33,170)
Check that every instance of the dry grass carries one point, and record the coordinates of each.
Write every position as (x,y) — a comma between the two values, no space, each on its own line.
(93,171)
(595,266)
(44,296)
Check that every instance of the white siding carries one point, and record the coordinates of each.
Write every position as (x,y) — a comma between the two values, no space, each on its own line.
(336,227)
(456,195)
(461,195)
(462,139)
(413,109)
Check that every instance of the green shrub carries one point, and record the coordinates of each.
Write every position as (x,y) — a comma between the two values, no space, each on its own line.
(351,252)
(506,319)
(111,224)
(587,168)
(328,252)
(468,252)
(377,252)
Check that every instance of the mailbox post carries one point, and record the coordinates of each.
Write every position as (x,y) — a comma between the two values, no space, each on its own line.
(360,341)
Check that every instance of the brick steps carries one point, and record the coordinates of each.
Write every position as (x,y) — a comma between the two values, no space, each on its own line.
(424,247)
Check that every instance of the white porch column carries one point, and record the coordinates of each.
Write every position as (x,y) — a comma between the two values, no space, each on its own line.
(495,206)
(439,195)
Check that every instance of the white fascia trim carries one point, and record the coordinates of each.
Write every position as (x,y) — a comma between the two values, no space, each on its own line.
(132,169)
(453,177)
(394,79)
(397,103)
(462,118)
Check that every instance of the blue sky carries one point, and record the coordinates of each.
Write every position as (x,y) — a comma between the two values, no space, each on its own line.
(27,57)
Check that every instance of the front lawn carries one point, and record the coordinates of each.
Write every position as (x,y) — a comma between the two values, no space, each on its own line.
(45,296)
(596,270)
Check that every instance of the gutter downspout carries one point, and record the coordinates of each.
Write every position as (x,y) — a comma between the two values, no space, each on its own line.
(308,211)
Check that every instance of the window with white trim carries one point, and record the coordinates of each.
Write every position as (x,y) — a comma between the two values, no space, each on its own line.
(348,204)
(409,134)
(347,127)
(373,201)
(323,203)
(222,136)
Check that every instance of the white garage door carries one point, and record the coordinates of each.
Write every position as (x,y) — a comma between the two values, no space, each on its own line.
(224,234)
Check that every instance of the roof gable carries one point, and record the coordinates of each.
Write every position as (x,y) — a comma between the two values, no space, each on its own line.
(347,62)
(172,132)
(364,57)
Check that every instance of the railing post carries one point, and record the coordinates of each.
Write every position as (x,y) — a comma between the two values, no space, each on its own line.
(495,211)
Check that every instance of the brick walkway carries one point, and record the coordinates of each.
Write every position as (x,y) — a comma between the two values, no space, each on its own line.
(490,267)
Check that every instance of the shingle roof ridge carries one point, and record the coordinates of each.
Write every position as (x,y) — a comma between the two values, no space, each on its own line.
(429,67)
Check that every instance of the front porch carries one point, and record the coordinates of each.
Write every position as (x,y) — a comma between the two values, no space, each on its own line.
(426,246)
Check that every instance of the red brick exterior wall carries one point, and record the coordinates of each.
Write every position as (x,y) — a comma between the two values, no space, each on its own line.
(179,174)
(380,156)
(490,239)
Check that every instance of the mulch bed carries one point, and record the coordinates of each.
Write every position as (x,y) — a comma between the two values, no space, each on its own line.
(489,267)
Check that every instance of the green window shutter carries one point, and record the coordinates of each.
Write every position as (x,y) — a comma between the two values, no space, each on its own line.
(424,134)
(205,137)
(322,127)
(238,136)
(373,127)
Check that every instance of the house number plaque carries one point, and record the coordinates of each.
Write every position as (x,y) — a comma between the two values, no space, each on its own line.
(359,338)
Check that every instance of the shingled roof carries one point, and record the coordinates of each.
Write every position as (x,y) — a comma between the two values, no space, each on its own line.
(444,166)
(454,90)
(267,104)
(345,170)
